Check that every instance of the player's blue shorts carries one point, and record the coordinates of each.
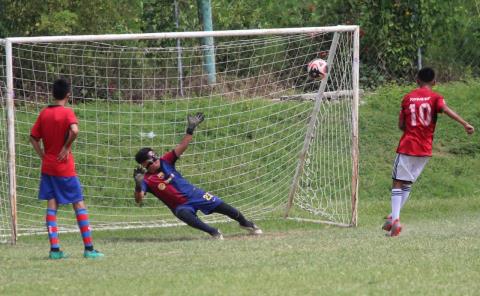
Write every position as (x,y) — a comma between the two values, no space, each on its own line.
(64,190)
(204,202)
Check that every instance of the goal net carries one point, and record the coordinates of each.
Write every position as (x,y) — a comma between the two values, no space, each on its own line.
(274,142)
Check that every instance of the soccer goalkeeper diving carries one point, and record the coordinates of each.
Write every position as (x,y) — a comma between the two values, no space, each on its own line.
(158,176)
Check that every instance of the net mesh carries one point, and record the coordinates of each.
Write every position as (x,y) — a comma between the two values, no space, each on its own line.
(134,94)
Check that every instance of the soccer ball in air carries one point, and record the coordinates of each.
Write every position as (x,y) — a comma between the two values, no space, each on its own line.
(317,68)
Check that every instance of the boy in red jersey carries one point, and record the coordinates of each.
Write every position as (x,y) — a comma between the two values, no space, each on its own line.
(417,120)
(184,199)
(57,127)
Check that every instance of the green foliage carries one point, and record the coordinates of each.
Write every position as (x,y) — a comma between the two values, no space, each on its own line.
(453,48)
(447,33)
(392,32)
(59,17)
(61,22)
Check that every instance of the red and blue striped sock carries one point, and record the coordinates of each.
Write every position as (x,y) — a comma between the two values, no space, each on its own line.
(84,225)
(51,222)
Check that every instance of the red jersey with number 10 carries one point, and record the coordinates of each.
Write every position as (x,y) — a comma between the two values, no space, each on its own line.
(419,111)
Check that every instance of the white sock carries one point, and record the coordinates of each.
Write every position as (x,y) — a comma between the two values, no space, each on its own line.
(405,193)
(396,203)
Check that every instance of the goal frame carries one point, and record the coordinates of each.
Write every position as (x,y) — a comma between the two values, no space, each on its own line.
(10,99)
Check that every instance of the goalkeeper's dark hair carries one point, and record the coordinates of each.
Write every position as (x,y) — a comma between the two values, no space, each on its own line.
(426,75)
(142,155)
(61,88)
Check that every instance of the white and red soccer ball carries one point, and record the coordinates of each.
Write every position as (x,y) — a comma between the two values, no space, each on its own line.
(317,68)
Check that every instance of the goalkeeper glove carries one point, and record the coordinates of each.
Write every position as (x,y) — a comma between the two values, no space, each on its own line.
(193,121)
(138,177)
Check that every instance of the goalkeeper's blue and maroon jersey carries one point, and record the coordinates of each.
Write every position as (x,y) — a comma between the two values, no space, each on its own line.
(174,190)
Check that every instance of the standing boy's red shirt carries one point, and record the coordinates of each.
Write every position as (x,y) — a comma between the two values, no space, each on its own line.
(52,127)
(419,111)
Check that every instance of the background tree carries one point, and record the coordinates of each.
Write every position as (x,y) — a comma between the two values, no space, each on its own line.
(448,33)
(58,17)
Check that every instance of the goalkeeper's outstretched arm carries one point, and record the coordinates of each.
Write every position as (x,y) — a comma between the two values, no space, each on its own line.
(138,178)
(139,195)
(193,121)
(183,145)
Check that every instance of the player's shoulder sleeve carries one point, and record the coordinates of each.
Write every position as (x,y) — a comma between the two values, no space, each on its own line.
(36,131)
(71,118)
(405,101)
(439,102)
(170,157)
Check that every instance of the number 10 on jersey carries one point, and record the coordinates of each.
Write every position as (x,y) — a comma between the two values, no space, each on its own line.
(424,114)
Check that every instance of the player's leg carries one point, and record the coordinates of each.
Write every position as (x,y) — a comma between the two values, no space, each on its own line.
(188,216)
(52,227)
(47,192)
(69,191)
(405,171)
(393,220)
(399,174)
(396,198)
(83,222)
(406,188)
(233,213)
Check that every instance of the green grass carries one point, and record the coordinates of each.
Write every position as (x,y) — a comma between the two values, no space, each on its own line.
(437,253)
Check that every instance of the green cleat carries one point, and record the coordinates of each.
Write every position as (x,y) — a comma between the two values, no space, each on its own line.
(92,254)
(55,255)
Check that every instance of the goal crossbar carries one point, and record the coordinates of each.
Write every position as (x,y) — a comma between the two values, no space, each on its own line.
(182,35)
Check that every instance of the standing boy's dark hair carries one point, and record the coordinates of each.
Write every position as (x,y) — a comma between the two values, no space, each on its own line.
(426,75)
(61,88)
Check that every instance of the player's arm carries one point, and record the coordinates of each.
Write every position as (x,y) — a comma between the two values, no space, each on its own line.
(139,197)
(36,146)
(183,145)
(138,178)
(453,115)
(72,135)
(193,121)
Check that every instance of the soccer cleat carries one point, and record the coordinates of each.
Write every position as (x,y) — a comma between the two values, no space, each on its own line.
(396,228)
(94,254)
(217,236)
(253,230)
(387,226)
(57,255)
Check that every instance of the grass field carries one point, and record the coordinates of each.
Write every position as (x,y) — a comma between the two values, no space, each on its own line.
(437,253)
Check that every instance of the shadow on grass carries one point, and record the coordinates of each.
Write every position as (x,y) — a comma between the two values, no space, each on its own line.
(152,239)
(169,239)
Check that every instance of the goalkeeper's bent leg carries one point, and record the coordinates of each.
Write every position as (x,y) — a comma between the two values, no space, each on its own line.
(228,210)
(192,220)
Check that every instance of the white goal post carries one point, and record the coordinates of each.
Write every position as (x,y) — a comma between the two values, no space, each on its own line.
(266,154)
